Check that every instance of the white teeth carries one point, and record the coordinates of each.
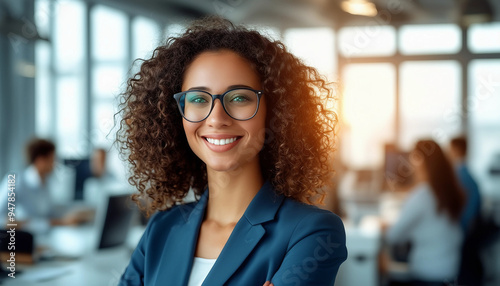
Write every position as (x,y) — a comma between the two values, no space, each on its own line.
(221,141)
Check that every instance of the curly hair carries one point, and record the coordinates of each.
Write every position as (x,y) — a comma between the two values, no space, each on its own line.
(300,124)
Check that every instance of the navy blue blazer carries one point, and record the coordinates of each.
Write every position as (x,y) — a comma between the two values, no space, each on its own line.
(277,239)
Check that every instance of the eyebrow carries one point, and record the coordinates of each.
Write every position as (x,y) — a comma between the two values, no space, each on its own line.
(204,88)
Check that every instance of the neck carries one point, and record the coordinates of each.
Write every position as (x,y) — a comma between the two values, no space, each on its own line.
(230,193)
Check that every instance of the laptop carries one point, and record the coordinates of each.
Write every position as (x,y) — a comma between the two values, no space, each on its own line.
(111,226)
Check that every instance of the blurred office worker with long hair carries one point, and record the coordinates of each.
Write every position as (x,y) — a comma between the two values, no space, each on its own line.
(430,218)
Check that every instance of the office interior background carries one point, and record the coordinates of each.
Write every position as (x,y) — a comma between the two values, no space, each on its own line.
(404,70)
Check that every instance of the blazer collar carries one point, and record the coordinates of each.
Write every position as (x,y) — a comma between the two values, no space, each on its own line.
(179,248)
(245,236)
(181,245)
(262,208)
(264,205)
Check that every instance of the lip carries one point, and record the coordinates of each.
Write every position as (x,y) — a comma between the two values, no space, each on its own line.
(221,148)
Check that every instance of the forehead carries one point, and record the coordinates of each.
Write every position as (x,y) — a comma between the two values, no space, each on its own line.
(216,70)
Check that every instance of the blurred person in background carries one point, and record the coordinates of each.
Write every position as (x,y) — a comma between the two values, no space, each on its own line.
(472,210)
(430,218)
(33,205)
(98,163)
(471,266)
(89,168)
(102,182)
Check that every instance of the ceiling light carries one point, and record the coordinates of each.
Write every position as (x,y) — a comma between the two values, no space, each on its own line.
(359,7)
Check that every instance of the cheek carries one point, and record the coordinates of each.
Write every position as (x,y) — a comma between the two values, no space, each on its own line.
(258,131)
(262,122)
(190,132)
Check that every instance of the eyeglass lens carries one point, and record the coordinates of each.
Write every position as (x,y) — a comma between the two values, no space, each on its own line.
(240,104)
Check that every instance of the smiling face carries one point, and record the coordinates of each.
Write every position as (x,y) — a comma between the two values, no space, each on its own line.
(223,143)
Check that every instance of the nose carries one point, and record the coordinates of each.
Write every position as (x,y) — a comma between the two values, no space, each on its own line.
(218,117)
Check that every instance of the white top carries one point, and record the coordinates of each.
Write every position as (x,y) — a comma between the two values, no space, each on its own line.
(436,239)
(201,267)
(32,200)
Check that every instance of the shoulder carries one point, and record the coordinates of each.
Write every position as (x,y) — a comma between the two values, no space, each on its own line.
(308,232)
(178,213)
(302,213)
(304,220)
(421,195)
(421,192)
(163,221)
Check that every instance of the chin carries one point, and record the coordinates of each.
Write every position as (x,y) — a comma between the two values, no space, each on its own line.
(223,167)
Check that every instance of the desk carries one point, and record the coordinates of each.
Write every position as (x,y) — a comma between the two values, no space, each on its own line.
(93,267)
(103,267)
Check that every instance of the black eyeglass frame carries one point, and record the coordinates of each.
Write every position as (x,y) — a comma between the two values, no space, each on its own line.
(178,96)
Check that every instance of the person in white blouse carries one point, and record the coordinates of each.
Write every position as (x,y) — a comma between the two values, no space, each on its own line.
(34,209)
(32,204)
(430,218)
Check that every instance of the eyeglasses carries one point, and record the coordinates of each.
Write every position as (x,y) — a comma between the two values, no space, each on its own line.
(239,103)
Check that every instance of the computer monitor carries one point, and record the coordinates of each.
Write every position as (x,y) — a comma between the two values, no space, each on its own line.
(117,221)
(112,223)
(82,173)
(397,167)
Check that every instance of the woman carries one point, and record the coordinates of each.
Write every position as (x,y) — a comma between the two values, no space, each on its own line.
(430,217)
(233,116)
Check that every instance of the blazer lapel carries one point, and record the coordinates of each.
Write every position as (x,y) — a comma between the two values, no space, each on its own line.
(245,236)
(180,246)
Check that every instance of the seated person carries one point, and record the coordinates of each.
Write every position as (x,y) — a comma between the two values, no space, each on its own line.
(91,176)
(33,205)
(102,183)
(430,219)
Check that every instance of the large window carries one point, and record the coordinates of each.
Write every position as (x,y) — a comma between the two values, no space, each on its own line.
(430,101)
(367,41)
(368,96)
(430,39)
(484,38)
(484,106)
(110,63)
(315,46)
(69,86)
(44,99)
(77,83)
(109,34)
(368,106)
(146,34)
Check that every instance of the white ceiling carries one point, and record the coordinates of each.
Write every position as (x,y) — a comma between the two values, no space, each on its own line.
(297,13)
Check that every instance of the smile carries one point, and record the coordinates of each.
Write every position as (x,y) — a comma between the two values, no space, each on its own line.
(221,142)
